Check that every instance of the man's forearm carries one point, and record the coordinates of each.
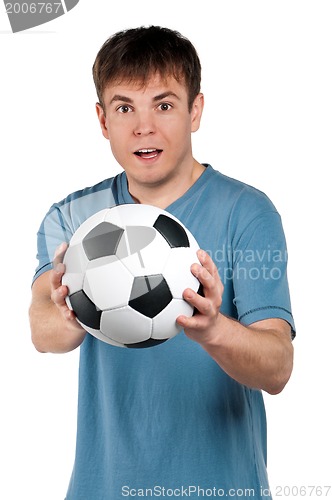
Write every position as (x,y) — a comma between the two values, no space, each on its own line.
(259,356)
(53,325)
(50,332)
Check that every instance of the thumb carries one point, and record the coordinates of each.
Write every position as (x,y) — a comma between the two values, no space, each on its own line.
(59,253)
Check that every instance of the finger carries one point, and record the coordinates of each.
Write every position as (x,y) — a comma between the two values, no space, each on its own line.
(195,322)
(207,274)
(207,262)
(59,294)
(56,275)
(199,302)
(187,322)
(204,277)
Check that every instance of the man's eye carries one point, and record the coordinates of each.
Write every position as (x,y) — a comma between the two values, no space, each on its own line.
(124,109)
(164,106)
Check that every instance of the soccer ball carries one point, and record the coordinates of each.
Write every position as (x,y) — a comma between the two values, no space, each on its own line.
(126,270)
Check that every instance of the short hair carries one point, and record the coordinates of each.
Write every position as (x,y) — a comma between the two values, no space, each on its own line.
(134,55)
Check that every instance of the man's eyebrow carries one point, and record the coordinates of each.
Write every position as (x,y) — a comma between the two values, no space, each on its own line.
(122,98)
(162,96)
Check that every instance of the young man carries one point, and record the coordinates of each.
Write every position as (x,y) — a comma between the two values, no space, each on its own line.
(187,417)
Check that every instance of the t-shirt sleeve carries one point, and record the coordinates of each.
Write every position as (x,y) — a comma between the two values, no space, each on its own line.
(260,281)
(64,217)
(52,232)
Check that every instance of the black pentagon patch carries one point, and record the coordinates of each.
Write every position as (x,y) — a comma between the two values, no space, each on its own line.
(102,240)
(85,310)
(172,231)
(145,343)
(150,295)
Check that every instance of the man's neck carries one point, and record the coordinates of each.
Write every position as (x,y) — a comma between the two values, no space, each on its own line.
(168,192)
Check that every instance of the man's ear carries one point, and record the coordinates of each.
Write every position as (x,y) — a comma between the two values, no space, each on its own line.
(196,112)
(102,119)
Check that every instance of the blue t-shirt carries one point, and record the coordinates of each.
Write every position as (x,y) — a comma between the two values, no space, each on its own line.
(168,421)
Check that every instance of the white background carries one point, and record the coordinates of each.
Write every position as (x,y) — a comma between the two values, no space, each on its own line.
(267,81)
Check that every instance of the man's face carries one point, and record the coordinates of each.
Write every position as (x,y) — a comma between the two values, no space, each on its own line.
(149,129)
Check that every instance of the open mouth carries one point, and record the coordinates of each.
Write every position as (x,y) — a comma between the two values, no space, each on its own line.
(148,154)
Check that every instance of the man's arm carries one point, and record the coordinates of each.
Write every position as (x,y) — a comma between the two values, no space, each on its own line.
(259,356)
(53,325)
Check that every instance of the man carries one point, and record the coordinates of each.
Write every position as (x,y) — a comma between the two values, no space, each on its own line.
(186,417)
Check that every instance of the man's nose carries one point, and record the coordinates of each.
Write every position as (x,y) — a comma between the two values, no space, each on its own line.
(145,124)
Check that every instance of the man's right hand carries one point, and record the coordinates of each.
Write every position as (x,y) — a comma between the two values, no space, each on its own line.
(54,327)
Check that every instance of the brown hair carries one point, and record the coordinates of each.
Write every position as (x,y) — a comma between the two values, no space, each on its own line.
(135,55)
